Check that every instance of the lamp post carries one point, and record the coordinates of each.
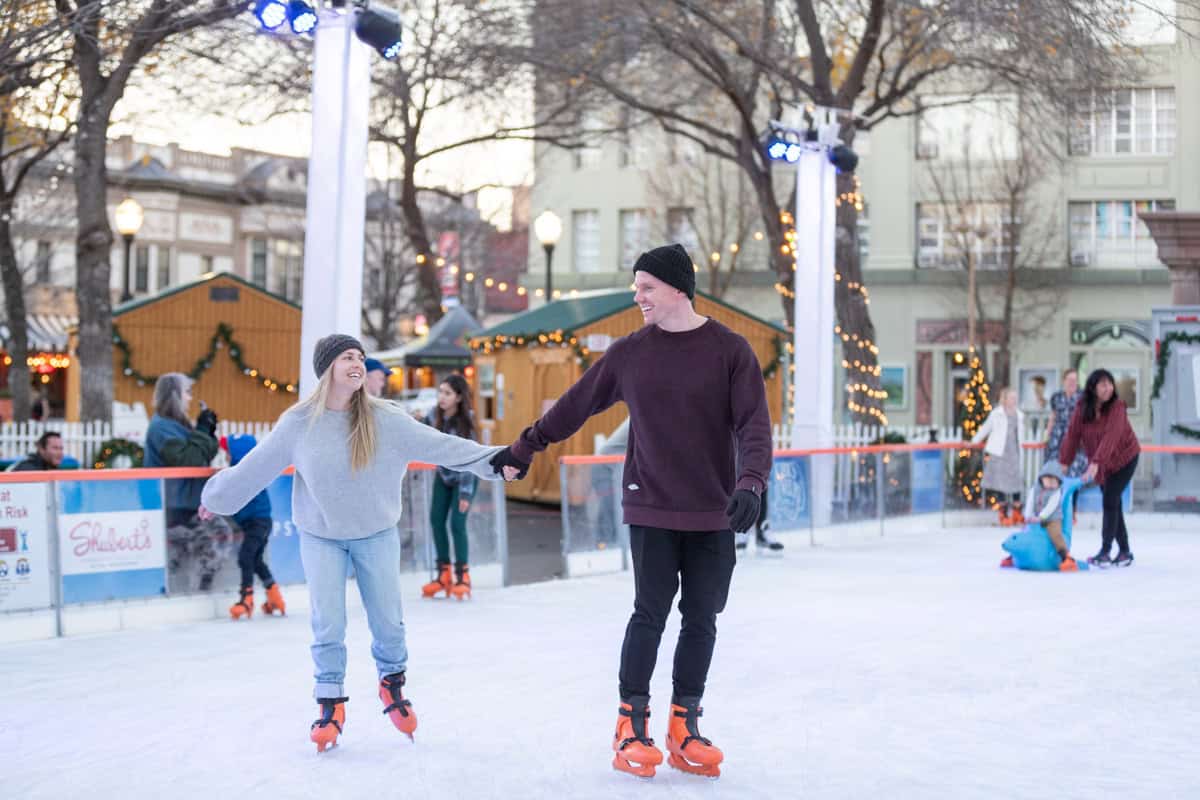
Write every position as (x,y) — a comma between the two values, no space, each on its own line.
(129,222)
(548,228)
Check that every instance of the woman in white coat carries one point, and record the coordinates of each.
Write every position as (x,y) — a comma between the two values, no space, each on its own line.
(1002,469)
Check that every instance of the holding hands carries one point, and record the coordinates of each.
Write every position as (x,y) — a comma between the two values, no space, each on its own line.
(508,465)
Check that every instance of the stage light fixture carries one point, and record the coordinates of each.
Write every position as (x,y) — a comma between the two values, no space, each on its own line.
(379,27)
(270,13)
(301,16)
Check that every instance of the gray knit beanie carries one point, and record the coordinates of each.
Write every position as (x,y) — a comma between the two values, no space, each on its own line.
(332,346)
(670,264)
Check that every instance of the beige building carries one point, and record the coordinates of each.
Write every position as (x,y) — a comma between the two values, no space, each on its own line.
(1134,149)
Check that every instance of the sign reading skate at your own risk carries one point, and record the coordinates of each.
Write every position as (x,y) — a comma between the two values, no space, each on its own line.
(112,540)
(24,554)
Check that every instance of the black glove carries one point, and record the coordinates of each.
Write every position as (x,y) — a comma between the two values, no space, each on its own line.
(743,510)
(505,458)
(207,422)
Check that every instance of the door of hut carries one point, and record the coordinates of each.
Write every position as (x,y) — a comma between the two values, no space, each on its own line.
(552,376)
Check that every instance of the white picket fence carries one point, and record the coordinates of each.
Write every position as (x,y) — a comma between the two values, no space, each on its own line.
(860,435)
(81,440)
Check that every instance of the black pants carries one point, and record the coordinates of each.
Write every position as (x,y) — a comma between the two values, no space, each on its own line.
(1113,526)
(256,533)
(663,560)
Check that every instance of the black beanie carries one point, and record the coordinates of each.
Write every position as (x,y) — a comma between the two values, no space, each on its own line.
(670,264)
(330,347)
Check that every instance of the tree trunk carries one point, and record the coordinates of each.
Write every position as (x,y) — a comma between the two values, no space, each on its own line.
(429,290)
(852,305)
(14,308)
(92,266)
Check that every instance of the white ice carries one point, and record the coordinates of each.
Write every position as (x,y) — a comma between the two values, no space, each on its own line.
(904,667)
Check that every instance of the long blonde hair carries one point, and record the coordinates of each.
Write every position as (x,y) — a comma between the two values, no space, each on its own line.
(364,436)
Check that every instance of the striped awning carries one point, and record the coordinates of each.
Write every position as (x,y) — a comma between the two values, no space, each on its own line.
(47,332)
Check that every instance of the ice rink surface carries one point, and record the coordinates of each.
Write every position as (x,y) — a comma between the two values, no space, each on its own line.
(905,667)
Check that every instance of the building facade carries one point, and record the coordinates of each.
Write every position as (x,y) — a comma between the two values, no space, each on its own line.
(1090,274)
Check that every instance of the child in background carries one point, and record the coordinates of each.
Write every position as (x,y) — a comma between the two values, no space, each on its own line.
(255,521)
(1043,504)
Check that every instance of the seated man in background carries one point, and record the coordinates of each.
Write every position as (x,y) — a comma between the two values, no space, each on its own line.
(49,454)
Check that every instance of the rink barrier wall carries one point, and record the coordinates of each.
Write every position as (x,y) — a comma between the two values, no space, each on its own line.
(84,551)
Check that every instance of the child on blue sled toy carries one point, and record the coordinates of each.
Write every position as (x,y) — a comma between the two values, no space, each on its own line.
(1044,544)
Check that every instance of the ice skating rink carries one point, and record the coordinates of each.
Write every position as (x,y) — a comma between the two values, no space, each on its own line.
(905,667)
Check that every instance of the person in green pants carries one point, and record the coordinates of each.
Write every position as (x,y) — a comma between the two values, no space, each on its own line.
(452,492)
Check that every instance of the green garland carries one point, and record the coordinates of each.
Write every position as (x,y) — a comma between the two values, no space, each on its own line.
(1160,374)
(114,448)
(223,338)
(555,338)
(561,338)
(773,365)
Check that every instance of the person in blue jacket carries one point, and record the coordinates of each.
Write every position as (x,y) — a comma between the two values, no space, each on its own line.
(256,523)
(172,441)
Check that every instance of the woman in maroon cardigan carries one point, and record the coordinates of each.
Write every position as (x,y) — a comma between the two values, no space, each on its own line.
(1101,428)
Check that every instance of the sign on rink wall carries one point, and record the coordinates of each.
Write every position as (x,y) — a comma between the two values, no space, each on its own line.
(24,548)
(787,496)
(283,548)
(112,540)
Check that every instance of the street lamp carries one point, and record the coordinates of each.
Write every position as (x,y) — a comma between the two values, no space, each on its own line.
(548,228)
(129,222)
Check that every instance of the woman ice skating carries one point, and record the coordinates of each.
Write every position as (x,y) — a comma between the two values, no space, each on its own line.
(1062,408)
(452,492)
(172,441)
(350,452)
(697,402)
(1002,472)
(1101,428)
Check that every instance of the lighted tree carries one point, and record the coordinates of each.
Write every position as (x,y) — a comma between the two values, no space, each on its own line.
(973,408)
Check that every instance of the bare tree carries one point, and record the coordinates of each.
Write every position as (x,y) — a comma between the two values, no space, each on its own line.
(872,59)
(110,39)
(1000,229)
(34,102)
(710,208)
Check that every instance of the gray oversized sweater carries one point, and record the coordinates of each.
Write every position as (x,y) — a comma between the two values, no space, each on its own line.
(328,499)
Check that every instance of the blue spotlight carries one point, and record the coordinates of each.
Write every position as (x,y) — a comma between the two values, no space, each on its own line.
(777,148)
(793,153)
(379,27)
(270,13)
(301,16)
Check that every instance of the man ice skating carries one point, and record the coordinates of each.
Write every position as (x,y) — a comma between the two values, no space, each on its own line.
(697,402)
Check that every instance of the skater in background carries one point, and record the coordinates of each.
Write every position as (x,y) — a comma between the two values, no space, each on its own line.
(1062,408)
(452,492)
(172,441)
(350,452)
(1002,470)
(377,377)
(255,521)
(48,454)
(1043,504)
(697,402)
(1100,427)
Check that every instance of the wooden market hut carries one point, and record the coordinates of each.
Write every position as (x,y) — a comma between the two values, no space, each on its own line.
(240,342)
(524,365)
(426,361)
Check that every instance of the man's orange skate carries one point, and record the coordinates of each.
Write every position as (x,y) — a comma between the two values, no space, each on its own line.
(689,751)
(634,751)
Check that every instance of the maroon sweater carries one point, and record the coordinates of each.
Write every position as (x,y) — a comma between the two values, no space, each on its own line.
(1108,440)
(697,406)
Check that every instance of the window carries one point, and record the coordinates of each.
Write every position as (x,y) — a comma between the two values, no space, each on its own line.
(1124,122)
(206,264)
(960,127)
(289,270)
(588,157)
(1109,234)
(42,262)
(681,228)
(141,272)
(632,142)
(946,235)
(258,262)
(635,236)
(164,267)
(585,240)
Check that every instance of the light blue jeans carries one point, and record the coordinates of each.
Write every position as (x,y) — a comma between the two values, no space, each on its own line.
(376,561)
